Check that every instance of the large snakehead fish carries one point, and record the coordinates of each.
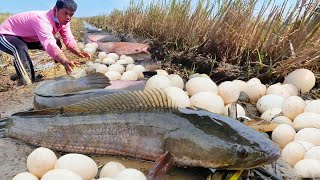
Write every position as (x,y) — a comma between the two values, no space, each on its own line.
(144,125)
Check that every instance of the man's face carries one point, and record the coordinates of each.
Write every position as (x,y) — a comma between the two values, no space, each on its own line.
(64,15)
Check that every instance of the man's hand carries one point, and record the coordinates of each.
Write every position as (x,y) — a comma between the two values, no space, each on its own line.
(84,54)
(69,65)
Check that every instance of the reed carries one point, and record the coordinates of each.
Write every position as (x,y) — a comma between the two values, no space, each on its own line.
(271,40)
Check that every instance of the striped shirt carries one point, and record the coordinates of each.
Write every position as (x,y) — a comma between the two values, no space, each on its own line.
(35,26)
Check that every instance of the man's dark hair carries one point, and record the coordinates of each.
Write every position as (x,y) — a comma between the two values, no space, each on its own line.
(69,4)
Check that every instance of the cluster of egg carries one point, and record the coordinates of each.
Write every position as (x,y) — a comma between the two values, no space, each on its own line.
(90,48)
(43,164)
(278,103)
(199,91)
(116,67)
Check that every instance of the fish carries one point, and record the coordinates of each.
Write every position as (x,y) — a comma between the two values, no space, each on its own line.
(68,90)
(145,125)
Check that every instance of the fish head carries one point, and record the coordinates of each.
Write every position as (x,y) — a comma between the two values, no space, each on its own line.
(215,141)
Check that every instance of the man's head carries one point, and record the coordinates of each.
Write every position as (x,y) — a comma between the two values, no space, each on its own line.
(64,10)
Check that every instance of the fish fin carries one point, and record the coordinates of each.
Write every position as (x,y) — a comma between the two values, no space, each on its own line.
(132,101)
(162,165)
(93,81)
(3,125)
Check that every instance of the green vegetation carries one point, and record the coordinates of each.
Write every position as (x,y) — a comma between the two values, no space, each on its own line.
(266,42)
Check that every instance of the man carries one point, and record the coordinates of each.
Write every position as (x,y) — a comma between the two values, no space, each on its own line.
(37,30)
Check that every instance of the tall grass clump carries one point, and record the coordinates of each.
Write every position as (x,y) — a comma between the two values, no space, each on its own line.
(261,40)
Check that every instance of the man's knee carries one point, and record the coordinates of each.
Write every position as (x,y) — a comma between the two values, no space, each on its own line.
(58,41)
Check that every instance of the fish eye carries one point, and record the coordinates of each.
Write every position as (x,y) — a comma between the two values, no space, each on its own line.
(242,152)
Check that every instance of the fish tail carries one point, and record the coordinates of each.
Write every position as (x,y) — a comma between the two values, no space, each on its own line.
(94,81)
(3,125)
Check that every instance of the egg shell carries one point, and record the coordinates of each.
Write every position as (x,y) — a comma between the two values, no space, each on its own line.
(102,69)
(313,153)
(313,106)
(139,68)
(158,82)
(61,174)
(242,85)
(113,56)
(25,176)
(270,114)
(117,67)
(256,91)
(292,89)
(108,61)
(279,90)
(307,120)
(303,79)
(293,152)
(201,84)
(121,61)
(178,96)
(282,120)
(111,169)
(307,168)
(283,134)
(208,101)
(102,55)
(311,135)
(229,92)
(253,81)
(89,50)
(129,76)
(129,60)
(305,144)
(113,75)
(40,161)
(176,80)
(131,174)
(162,72)
(130,67)
(80,45)
(240,110)
(268,102)
(293,106)
(79,164)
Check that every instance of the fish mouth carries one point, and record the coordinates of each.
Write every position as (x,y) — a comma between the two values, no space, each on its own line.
(263,161)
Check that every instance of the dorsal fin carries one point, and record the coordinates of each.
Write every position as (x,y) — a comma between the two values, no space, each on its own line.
(147,100)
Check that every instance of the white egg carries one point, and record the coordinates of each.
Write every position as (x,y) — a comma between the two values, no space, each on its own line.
(176,80)
(305,144)
(121,61)
(293,106)
(292,89)
(25,176)
(307,120)
(307,168)
(283,134)
(98,61)
(79,164)
(111,169)
(102,69)
(209,101)
(282,120)
(129,60)
(102,55)
(180,98)
(293,152)
(279,90)
(269,114)
(311,135)
(242,86)
(91,46)
(129,76)
(113,56)
(198,75)
(313,153)
(255,91)
(130,67)
(40,161)
(158,82)
(253,81)
(89,50)
(80,45)
(89,63)
(113,75)
(303,79)
(139,68)
(240,110)
(229,92)
(61,174)
(108,61)
(131,174)
(162,72)
(313,106)
(201,84)
(268,102)
(117,67)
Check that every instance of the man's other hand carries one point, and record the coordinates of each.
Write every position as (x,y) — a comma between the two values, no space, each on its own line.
(84,54)
(69,65)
